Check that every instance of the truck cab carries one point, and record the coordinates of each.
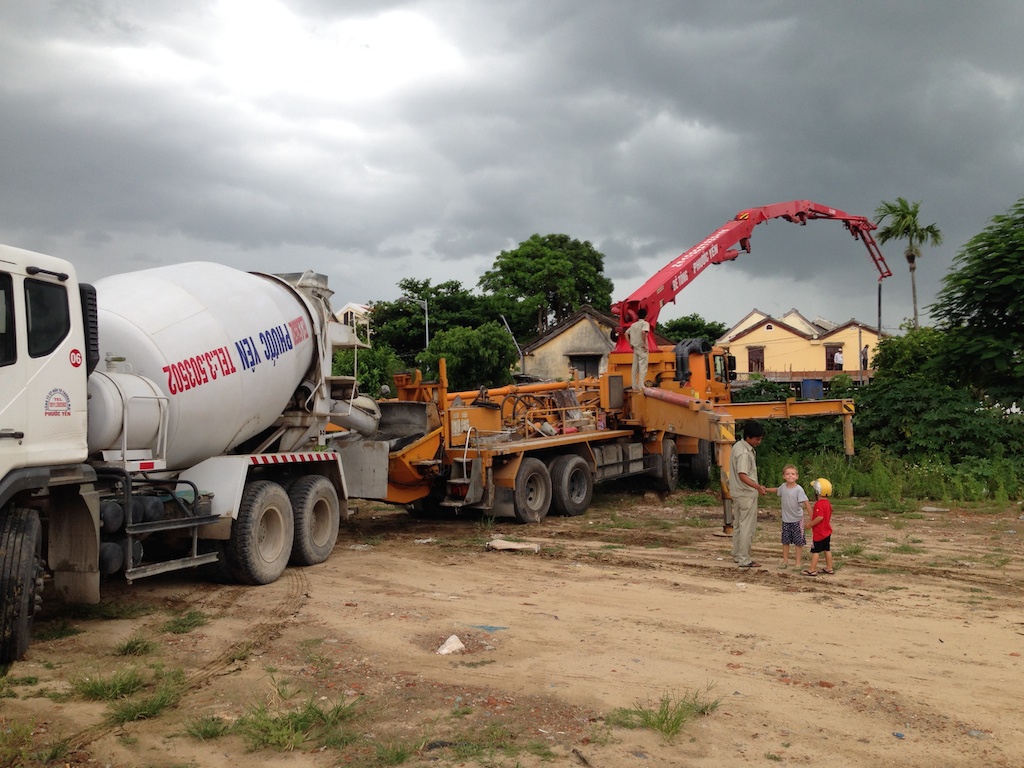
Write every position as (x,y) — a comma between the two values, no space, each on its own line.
(44,365)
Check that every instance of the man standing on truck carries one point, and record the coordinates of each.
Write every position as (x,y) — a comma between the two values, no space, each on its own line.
(744,489)
(637,335)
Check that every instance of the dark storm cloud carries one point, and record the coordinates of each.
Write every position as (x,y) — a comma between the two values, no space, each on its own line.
(126,137)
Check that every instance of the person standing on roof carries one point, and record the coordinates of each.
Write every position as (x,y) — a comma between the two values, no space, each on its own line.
(637,336)
(744,489)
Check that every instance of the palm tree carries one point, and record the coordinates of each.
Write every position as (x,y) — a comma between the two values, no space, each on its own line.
(903,225)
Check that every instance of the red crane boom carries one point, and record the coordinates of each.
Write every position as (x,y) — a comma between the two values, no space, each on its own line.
(720,246)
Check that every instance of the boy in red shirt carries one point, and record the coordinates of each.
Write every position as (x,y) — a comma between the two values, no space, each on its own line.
(821,527)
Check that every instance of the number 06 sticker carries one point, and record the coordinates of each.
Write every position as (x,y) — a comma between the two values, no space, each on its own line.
(75,357)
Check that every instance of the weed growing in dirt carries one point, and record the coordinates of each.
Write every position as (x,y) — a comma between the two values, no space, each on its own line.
(169,688)
(135,646)
(851,550)
(207,728)
(265,728)
(393,754)
(119,685)
(669,715)
(484,743)
(185,623)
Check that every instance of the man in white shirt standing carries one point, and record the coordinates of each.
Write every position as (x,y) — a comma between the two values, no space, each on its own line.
(637,336)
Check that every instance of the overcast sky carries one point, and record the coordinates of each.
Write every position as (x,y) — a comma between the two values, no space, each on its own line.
(373,140)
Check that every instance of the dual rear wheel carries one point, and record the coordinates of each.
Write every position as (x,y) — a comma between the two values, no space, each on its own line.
(275,527)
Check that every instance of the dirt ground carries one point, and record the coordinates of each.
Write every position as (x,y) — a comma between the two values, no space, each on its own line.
(909,655)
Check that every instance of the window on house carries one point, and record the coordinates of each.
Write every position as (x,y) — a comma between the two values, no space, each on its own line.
(587,366)
(755,359)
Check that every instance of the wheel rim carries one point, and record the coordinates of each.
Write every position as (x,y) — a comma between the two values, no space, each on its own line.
(320,529)
(271,535)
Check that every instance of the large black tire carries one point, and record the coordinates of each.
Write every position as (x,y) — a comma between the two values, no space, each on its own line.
(701,462)
(262,535)
(317,515)
(21,580)
(532,494)
(572,485)
(668,468)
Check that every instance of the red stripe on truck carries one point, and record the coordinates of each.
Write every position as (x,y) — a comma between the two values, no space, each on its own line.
(292,458)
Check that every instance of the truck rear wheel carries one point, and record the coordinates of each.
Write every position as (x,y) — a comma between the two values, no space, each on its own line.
(532,494)
(701,462)
(572,485)
(317,516)
(21,580)
(668,467)
(262,535)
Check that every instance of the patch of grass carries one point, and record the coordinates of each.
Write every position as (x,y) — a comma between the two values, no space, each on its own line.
(616,522)
(135,646)
(207,728)
(484,742)
(669,715)
(185,623)
(907,549)
(913,516)
(540,749)
(55,752)
(168,693)
(55,631)
(393,754)
(851,550)
(695,522)
(15,742)
(462,711)
(875,557)
(702,500)
(613,546)
(119,685)
(264,728)
(773,757)
(997,561)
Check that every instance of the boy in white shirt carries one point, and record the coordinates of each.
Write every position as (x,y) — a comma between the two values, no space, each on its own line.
(793,498)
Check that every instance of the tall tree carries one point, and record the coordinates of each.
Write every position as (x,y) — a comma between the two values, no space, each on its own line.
(552,276)
(981,308)
(903,225)
(402,324)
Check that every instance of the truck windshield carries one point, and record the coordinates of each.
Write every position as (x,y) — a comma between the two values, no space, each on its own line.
(48,317)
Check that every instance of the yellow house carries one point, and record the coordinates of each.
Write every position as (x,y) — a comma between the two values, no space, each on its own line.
(792,348)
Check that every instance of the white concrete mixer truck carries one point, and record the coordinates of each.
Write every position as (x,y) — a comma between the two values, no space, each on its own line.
(163,419)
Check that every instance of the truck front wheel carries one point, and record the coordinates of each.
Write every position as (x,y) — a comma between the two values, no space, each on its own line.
(532,495)
(21,580)
(317,515)
(572,485)
(262,535)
